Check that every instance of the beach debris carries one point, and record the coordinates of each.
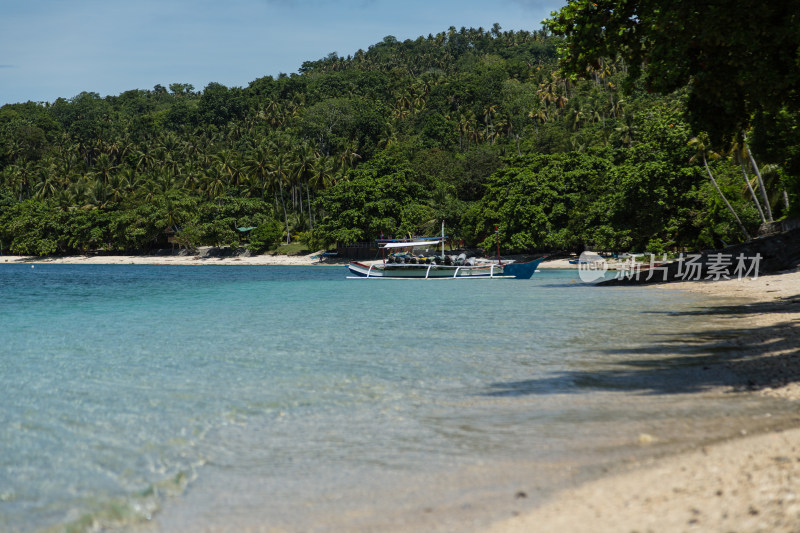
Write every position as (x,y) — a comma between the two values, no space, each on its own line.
(646,438)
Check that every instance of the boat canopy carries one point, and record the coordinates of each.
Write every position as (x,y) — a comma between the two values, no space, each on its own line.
(411,244)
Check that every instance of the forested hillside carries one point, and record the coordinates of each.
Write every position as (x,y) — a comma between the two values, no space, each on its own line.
(472,127)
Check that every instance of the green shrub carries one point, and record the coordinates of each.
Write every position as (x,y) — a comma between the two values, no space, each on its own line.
(265,237)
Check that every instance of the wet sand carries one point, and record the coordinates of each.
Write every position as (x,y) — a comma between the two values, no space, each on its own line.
(748,484)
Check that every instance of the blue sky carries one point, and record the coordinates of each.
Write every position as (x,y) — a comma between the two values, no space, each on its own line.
(58,48)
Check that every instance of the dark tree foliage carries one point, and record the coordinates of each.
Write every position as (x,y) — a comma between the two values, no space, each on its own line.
(737,58)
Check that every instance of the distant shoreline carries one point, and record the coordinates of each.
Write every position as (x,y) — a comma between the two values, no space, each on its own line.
(313,259)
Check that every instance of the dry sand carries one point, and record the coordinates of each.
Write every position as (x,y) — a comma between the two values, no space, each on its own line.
(201,258)
(750,484)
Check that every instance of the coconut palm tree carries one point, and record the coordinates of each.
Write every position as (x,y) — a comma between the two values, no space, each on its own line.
(280,170)
(738,151)
(304,161)
(322,175)
(701,145)
(103,167)
(215,187)
(229,166)
(47,184)
(764,197)
(488,118)
(258,164)
(131,181)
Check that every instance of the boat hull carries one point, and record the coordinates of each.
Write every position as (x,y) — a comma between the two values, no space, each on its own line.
(422,271)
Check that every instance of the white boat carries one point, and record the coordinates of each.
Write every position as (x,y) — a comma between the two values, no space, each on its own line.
(435,265)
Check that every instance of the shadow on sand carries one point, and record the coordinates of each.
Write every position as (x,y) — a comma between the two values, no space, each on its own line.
(753,358)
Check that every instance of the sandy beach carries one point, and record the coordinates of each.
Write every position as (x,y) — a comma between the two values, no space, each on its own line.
(749,484)
(203,258)
(200,258)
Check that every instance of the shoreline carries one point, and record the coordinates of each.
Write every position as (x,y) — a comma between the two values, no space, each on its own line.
(746,484)
(203,258)
(314,259)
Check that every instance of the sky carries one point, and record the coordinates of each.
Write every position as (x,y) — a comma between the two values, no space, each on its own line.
(58,48)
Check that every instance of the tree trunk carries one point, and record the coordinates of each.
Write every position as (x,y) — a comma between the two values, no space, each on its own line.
(760,183)
(752,192)
(730,207)
(285,215)
(300,196)
(310,214)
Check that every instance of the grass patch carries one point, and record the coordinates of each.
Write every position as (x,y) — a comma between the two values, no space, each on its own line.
(295,248)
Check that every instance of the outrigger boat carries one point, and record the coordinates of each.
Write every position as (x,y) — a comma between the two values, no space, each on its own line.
(432,264)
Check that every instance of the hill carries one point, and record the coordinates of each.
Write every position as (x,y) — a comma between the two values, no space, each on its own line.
(473,127)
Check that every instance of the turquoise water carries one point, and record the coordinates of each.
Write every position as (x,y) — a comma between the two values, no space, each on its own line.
(124,385)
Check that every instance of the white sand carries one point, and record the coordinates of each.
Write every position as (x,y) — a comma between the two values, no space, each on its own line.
(267,259)
(556,263)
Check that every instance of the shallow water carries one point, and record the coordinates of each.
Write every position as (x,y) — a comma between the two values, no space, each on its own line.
(294,397)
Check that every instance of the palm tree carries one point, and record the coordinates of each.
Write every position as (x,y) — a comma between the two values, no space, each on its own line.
(322,173)
(738,151)
(258,163)
(577,117)
(104,167)
(488,116)
(116,188)
(20,178)
(701,145)
(47,185)
(760,180)
(131,181)
(216,184)
(145,160)
(463,130)
(228,165)
(304,161)
(280,174)
(348,157)
(97,195)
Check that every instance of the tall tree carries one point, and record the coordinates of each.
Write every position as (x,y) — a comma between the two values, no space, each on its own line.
(701,145)
(736,57)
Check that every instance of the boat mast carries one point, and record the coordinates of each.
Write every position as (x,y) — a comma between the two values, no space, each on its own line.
(442,240)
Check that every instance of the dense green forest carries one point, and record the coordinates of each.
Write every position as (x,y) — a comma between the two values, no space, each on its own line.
(472,127)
